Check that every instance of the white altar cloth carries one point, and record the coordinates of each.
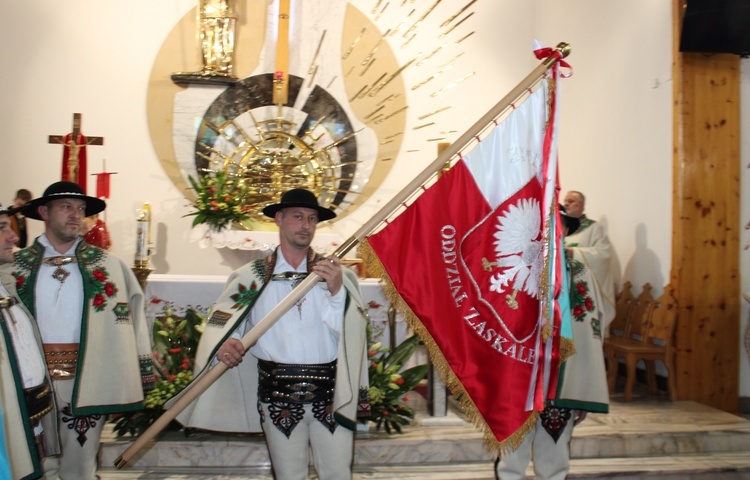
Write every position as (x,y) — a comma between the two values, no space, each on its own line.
(324,243)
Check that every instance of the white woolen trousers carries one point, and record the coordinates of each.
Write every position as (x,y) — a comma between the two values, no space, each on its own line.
(551,460)
(76,462)
(333,453)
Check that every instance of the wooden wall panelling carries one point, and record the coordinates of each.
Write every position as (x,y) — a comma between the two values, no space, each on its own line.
(705,221)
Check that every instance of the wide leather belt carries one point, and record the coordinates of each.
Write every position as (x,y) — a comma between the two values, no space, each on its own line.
(282,382)
(62,360)
(38,401)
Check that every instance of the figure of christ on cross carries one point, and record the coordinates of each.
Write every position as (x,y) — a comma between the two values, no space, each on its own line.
(74,152)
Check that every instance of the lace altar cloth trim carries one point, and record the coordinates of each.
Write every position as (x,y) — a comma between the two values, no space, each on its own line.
(324,243)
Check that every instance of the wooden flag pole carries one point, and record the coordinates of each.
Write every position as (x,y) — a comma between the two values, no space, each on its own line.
(210,375)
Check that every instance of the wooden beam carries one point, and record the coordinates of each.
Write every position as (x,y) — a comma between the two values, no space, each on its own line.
(706,223)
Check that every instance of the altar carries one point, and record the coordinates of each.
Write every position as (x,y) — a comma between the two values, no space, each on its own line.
(180,292)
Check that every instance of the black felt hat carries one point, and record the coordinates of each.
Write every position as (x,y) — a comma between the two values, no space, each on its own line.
(571,222)
(60,190)
(7,211)
(299,197)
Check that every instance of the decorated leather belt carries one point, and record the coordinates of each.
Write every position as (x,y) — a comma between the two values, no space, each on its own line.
(38,401)
(62,360)
(282,382)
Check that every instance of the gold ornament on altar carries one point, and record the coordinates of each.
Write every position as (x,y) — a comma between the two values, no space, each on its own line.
(261,169)
(264,158)
(216,30)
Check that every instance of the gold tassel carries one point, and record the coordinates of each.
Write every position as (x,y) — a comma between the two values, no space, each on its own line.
(567,349)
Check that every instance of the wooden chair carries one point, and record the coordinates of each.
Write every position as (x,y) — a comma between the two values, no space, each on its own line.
(623,305)
(656,344)
(633,332)
(639,314)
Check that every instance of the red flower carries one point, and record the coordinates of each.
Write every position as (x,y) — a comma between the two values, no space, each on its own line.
(581,287)
(406,399)
(99,275)
(589,304)
(175,350)
(20,280)
(578,311)
(400,380)
(109,289)
(99,300)
(171,377)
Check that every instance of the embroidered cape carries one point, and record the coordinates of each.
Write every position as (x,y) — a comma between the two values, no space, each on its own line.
(584,379)
(22,452)
(114,361)
(218,408)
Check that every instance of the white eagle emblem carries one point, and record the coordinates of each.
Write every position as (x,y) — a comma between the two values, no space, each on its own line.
(517,248)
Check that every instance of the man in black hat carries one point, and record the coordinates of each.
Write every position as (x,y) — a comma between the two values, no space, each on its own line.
(25,391)
(306,375)
(90,311)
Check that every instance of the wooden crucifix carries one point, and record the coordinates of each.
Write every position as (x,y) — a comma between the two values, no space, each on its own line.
(74,152)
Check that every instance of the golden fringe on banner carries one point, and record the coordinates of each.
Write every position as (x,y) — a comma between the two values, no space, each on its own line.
(375,269)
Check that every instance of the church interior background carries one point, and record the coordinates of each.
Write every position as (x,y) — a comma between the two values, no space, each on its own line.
(114,62)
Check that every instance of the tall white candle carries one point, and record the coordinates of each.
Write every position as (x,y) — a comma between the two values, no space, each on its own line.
(141,237)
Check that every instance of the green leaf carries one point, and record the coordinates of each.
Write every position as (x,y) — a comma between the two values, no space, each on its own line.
(403,352)
(412,376)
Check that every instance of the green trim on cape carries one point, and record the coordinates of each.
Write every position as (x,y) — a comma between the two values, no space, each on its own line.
(33,452)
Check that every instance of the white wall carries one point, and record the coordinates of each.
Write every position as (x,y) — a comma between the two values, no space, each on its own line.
(616,137)
(95,58)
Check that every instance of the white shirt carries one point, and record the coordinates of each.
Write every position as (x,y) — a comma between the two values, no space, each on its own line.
(59,305)
(30,362)
(306,334)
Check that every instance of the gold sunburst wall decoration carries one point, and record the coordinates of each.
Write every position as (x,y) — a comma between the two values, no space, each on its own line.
(316,139)
(369,83)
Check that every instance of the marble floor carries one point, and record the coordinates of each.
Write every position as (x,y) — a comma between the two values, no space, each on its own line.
(646,438)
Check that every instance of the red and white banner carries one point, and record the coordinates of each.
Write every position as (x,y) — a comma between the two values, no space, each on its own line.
(471,260)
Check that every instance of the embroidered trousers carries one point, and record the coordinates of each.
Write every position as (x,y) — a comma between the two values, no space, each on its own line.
(332,453)
(79,440)
(551,460)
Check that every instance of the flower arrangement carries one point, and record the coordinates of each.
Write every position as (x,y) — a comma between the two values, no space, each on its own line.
(175,343)
(219,200)
(389,385)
